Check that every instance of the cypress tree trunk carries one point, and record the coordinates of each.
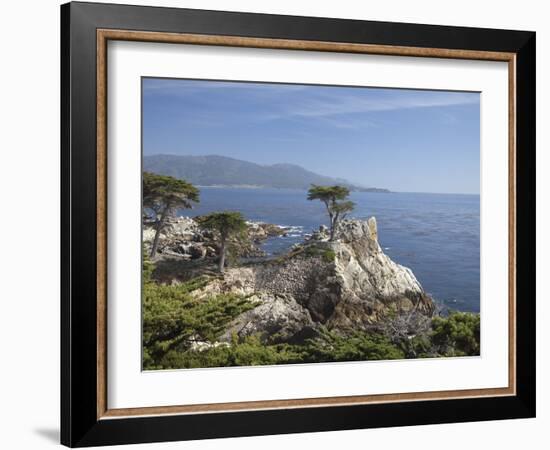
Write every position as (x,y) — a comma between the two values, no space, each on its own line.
(160,224)
(221,261)
(333,221)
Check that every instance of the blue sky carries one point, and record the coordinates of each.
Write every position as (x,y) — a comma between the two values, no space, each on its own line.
(400,139)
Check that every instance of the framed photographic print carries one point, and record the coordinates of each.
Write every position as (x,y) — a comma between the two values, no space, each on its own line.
(276,224)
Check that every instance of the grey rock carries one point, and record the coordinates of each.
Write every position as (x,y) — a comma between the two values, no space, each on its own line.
(197,251)
(348,283)
(278,318)
(182,236)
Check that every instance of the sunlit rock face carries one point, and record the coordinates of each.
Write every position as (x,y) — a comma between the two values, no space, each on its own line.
(347,283)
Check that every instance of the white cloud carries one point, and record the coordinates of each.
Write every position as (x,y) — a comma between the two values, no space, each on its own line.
(334,105)
(337,107)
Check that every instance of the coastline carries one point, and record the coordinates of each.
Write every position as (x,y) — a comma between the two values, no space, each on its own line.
(333,297)
(438,235)
(254,186)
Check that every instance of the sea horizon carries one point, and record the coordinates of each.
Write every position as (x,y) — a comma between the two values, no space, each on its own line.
(249,186)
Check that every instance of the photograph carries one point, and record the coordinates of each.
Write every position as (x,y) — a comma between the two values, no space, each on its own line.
(298,224)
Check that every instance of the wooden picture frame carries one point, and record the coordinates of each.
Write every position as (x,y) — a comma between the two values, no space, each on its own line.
(86,418)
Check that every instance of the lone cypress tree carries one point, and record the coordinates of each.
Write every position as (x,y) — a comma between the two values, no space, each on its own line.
(227,224)
(334,198)
(163,195)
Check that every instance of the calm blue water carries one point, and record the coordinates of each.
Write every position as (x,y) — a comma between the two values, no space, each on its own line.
(436,235)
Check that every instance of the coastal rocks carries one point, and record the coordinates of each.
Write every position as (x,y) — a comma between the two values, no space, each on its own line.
(299,276)
(322,234)
(278,318)
(183,237)
(259,231)
(371,284)
(197,251)
(349,283)
(200,345)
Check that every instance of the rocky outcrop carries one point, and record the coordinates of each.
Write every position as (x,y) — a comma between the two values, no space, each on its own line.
(183,237)
(349,283)
(278,318)
(370,285)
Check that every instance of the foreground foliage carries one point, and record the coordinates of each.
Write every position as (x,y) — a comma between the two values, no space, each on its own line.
(457,335)
(182,331)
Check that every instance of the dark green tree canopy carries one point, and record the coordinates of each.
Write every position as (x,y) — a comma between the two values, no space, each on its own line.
(327,194)
(458,334)
(161,191)
(225,222)
(163,194)
(343,208)
(334,198)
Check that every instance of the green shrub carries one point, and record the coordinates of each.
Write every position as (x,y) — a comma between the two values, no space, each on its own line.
(457,334)
(450,338)
(420,346)
(355,346)
(147,267)
(312,251)
(250,351)
(173,319)
(329,255)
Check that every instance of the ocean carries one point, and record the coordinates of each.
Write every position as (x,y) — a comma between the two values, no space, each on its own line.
(436,235)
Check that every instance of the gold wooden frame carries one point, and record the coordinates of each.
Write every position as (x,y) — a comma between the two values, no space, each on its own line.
(104,35)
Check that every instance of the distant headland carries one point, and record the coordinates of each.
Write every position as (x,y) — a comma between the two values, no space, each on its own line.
(221,171)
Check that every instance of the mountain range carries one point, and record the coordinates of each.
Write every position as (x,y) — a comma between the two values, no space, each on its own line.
(215,170)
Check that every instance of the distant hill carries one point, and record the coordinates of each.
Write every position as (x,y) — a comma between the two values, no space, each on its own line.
(214,170)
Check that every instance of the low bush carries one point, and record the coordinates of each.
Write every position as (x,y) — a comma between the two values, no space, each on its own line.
(172,319)
(457,334)
(182,331)
(329,255)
